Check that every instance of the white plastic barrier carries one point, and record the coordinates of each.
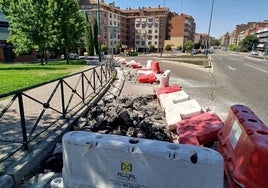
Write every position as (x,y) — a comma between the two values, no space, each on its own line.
(56,183)
(144,72)
(149,64)
(129,63)
(176,112)
(164,81)
(110,161)
(168,99)
(186,109)
(172,118)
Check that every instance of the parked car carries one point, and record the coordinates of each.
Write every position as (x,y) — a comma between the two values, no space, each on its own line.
(195,51)
(73,55)
(256,53)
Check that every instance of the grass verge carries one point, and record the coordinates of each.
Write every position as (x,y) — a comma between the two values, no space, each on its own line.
(16,76)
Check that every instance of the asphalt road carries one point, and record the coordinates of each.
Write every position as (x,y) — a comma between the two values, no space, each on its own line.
(233,79)
(243,80)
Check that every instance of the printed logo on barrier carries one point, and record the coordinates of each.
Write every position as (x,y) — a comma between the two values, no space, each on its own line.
(126,166)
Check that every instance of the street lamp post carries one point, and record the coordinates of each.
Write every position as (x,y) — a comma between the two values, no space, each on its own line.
(210,19)
(99,37)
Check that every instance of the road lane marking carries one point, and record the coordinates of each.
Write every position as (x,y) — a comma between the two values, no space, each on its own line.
(231,68)
(257,68)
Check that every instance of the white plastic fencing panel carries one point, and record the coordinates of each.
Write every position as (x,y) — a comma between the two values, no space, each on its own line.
(186,109)
(168,99)
(110,161)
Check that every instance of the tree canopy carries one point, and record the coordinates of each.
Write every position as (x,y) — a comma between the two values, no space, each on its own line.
(45,25)
(250,42)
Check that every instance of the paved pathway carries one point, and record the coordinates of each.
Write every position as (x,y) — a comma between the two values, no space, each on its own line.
(12,169)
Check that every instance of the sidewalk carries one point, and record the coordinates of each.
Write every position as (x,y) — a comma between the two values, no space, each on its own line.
(22,162)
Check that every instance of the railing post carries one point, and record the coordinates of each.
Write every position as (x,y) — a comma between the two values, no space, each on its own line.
(62,99)
(23,122)
(83,86)
(94,80)
(101,76)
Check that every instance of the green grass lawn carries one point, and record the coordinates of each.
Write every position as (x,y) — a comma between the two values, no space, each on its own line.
(14,76)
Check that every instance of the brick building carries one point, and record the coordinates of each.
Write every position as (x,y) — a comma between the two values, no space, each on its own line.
(181,28)
(138,29)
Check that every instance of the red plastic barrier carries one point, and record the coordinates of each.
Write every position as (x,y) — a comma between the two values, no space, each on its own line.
(149,78)
(200,129)
(143,69)
(155,67)
(165,90)
(136,65)
(243,142)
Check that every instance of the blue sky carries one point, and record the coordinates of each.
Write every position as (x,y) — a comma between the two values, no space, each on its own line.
(226,13)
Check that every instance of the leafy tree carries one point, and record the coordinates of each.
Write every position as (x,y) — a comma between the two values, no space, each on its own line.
(117,48)
(232,47)
(29,26)
(249,42)
(104,48)
(196,45)
(179,48)
(96,43)
(189,45)
(44,25)
(168,47)
(152,48)
(89,37)
(68,24)
(4,6)
(215,42)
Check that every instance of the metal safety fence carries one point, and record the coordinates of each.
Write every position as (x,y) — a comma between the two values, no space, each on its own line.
(27,115)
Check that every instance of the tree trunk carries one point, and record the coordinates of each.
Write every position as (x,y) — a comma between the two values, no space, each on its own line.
(66,55)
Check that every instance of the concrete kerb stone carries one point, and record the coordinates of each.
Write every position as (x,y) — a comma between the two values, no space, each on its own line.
(26,161)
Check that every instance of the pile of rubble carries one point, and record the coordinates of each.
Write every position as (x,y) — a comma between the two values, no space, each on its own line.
(139,117)
(134,116)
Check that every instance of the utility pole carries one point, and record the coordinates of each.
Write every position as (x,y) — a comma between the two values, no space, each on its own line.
(162,33)
(99,36)
(210,19)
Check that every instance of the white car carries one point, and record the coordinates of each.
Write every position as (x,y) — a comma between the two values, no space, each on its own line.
(255,53)
(73,55)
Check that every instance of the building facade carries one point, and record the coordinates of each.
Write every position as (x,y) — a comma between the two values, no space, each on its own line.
(181,28)
(146,27)
(133,29)
(260,29)
(139,29)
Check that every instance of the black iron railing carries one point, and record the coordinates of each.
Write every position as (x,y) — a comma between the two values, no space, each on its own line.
(28,114)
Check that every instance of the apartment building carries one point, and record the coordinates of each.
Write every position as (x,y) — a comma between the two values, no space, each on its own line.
(260,29)
(238,34)
(134,29)
(138,29)
(225,39)
(181,28)
(145,27)
(110,19)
